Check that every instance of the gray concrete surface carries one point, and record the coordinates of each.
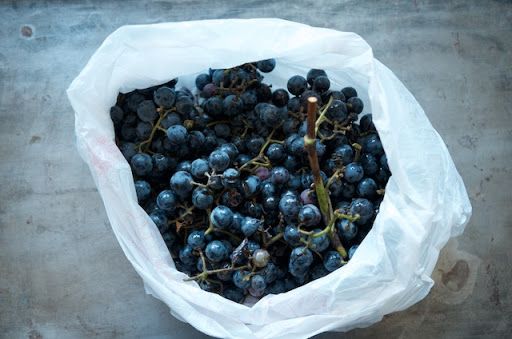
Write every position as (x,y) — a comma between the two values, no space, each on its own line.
(62,273)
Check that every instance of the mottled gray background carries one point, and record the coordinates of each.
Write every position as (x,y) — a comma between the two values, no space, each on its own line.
(62,272)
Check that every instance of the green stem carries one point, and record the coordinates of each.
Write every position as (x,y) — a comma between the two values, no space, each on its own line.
(153,131)
(323,198)
(306,232)
(188,211)
(246,128)
(333,177)
(203,260)
(217,122)
(274,239)
(330,227)
(310,145)
(199,184)
(324,138)
(268,141)
(331,231)
(336,243)
(322,116)
(203,275)
(263,164)
(276,141)
(349,217)
(327,230)
(210,225)
(256,160)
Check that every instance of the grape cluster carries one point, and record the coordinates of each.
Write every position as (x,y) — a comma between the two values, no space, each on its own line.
(225,173)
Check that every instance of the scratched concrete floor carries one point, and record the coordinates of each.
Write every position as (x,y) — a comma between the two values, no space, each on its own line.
(62,273)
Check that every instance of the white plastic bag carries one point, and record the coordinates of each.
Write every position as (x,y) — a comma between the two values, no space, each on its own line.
(425,201)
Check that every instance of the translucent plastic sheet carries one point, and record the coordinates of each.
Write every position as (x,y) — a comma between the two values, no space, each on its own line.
(425,201)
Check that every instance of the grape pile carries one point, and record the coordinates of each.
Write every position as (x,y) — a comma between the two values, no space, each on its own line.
(230,175)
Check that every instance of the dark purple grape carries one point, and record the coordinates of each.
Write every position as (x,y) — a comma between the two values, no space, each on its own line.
(232,105)
(264,93)
(321,84)
(143,130)
(146,111)
(133,100)
(184,105)
(214,106)
(337,111)
(202,80)
(353,172)
(267,65)
(366,123)
(116,114)
(367,188)
(355,105)
(268,114)
(313,74)
(164,97)
(297,85)
(294,104)
(249,99)
(209,90)
(276,153)
(349,92)
(369,163)
(280,97)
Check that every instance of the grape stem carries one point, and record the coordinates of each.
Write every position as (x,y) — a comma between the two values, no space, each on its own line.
(323,198)
(330,230)
(322,116)
(335,175)
(327,230)
(235,89)
(204,275)
(358,148)
(216,282)
(274,141)
(275,238)
(336,243)
(188,211)
(210,225)
(324,138)
(260,157)
(340,129)
(198,184)
(211,229)
(156,127)
(217,122)
(203,260)
(349,217)
(246,128)
(310,145)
